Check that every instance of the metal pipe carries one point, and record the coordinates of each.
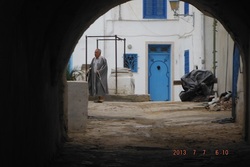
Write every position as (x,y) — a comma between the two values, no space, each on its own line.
(124,48)
(86,55)
(226,64)
(115,64)
(103,39)
(214,47)
(115,38)
(100,36)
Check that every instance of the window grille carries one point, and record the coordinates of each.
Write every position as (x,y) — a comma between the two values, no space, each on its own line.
(130,61)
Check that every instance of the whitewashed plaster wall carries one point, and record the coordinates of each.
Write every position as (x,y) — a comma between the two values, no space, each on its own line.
(126,21)
(222,44)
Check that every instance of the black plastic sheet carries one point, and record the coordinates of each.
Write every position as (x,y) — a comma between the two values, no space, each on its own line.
(197,83)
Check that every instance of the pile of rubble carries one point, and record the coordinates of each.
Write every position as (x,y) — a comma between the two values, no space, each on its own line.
(224,102)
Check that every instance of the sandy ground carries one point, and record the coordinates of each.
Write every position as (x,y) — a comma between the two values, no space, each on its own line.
(155,134)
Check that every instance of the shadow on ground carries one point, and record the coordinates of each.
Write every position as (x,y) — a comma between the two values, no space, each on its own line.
(123,134)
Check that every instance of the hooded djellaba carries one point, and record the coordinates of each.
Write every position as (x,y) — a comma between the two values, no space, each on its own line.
(97,77)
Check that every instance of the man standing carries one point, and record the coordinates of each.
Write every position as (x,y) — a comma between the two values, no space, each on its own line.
(97,76)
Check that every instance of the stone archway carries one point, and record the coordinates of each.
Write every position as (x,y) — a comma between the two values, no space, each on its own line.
(37,40)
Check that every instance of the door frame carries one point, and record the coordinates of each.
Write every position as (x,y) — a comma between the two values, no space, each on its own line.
(171,65)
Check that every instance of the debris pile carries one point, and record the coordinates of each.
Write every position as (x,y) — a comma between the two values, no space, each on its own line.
(224,102)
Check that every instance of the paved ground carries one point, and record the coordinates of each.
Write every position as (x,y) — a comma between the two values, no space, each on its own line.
(149,134)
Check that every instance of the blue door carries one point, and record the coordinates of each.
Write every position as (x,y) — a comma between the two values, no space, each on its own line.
(159,72)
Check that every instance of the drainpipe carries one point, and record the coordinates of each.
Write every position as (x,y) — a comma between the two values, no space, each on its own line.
(214,47)
(203,60)
(226,64)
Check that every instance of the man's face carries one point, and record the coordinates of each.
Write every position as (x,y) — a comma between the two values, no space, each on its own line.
(97,53)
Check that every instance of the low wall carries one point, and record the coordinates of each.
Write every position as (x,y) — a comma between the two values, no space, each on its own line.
(77,105)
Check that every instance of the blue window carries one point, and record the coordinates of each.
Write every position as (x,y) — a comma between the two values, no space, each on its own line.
(130,61)
(186,61)
(186,8)
(154,9)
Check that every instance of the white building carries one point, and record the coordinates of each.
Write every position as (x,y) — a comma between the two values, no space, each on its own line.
(162,47)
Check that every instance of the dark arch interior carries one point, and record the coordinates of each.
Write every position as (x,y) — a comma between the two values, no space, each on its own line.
(37,40)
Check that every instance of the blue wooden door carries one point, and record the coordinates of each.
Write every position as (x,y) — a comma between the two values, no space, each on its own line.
(159,72)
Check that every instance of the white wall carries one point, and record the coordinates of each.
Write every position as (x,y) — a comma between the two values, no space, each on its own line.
(126,21)
(79,54)
(224,46)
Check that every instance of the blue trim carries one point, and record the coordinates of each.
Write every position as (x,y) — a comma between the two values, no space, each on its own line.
(186,62)
(236,67)
(186,8)
(154,9)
